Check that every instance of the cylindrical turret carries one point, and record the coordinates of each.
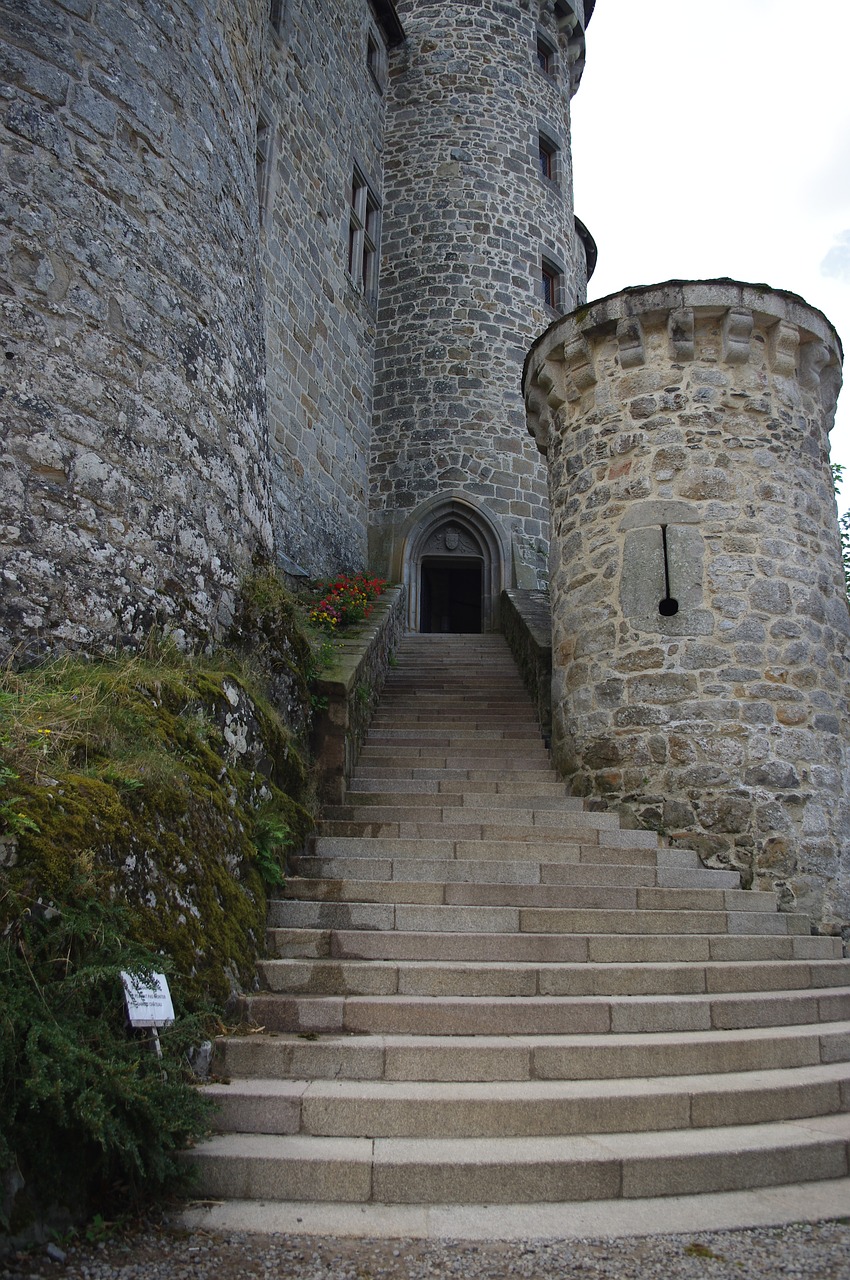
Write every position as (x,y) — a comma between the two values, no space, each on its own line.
(479,250)
(701,641)
(134,469)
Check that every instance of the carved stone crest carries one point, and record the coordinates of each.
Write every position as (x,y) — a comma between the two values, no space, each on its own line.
(450,538)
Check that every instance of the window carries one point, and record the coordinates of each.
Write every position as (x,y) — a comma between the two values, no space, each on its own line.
(545,56)
(276,14)
(363,231)
(376,61)
(263,155)
(550,282)
(547,151)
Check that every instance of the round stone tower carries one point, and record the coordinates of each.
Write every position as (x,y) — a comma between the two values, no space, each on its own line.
(701,642)
(480,249)
(133,483)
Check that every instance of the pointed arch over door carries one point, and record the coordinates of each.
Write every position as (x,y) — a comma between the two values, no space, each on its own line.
(455,559)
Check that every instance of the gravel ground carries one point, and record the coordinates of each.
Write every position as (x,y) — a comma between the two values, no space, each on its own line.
(817,1251)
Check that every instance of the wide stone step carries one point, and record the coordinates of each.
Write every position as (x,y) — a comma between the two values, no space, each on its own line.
(631,848)
(426,764)
(488,777)
(531,1057)
(437,918)
(533,787)
(571,897)
(459,730)
(491,823)
(543,1015)
(521,1170)
(530,802)
(505,978)
(389,1109)
(480,740)
(553,948)
(482,871)
(502,810)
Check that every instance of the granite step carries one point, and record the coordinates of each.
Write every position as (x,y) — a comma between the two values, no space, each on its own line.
(545,1108)
(631,848)
(504,978)
(621,898)
(484,871)
(442,918)
(531,802)
(551,948)
(521,1170)
(531,1057)
(543,1015)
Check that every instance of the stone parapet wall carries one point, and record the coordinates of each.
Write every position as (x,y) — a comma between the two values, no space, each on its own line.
(701,640)
(133,464)
(468,219)
(351,688)
(526,620)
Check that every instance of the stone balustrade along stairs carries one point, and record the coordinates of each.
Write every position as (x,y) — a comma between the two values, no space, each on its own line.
(481,993)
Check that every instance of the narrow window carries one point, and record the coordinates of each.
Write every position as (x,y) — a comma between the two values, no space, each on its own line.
(550,281)
(276,14)
(376,60)
(545,56)
(547,152)
(262,155)
(363,232)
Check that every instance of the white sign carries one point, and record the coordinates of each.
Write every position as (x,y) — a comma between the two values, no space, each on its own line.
(148,1003)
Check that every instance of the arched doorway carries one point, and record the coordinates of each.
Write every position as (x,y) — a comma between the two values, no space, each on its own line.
(454,569)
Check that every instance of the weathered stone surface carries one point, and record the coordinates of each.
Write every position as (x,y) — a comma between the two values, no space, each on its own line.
(732,726)
(135,471)
(325,111)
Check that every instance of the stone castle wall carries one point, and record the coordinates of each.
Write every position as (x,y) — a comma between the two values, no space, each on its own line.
(133,463)
(468,219)
(686,428)
(325,110)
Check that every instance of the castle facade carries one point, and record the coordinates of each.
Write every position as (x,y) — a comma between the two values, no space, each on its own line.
(273,269)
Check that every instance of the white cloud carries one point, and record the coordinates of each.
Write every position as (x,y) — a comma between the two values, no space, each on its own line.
(837,261)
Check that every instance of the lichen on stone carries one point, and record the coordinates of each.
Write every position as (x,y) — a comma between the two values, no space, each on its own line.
(167,773)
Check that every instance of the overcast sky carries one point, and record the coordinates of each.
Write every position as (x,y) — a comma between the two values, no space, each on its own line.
(714,140)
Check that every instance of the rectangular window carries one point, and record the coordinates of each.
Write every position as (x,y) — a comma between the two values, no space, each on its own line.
(276,14)
(545,56)
(550,279)
(363,233)
(376,61)
(547,152)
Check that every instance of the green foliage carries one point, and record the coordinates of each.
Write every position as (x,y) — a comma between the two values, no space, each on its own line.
(272,837)
(843,527)
(88,1114)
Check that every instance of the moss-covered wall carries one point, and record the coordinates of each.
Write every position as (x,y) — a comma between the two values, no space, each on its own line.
(177,782)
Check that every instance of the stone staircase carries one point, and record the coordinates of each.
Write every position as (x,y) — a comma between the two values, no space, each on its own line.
(481,993)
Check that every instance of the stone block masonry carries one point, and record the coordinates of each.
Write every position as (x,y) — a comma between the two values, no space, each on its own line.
(701,637)
(470,218)
(134,482)
(324,105)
